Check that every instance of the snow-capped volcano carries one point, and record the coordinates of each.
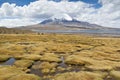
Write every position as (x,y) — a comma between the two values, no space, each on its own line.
(68,21)
(57,19)
(62,22)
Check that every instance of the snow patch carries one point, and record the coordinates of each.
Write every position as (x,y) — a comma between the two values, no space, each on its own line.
(62,17)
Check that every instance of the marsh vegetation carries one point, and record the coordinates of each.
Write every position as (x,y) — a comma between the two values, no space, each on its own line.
(59,57)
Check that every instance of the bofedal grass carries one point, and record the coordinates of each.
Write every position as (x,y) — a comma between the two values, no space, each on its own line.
(92,55)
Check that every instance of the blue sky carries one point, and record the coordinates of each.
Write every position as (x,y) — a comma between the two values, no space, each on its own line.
(17,2)
(26,2)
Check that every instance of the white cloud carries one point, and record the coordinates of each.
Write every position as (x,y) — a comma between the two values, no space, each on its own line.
(17,22)
(107,15)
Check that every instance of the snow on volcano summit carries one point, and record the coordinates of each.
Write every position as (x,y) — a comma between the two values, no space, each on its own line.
(62,17)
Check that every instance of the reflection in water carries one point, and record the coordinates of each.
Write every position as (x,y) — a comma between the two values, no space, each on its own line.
(9,62)
(36,71)
(62,64)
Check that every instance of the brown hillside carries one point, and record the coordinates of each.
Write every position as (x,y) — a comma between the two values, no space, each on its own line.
(4,30)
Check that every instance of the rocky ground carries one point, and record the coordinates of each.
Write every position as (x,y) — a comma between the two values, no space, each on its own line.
(59,57)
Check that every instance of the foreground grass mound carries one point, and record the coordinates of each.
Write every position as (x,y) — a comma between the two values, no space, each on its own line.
(25,77)
(50,57)
(23,63)
(79,76)
(115,74)
(4,58)
(13,73)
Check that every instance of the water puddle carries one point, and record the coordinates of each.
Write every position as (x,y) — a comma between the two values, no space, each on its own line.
(62,64)
(8,62)
(38,71)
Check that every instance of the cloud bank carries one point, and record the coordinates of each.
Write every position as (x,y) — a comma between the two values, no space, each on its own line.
(108,15)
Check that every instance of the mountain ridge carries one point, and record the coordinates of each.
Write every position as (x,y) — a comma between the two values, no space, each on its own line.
(62,22)
(5,30)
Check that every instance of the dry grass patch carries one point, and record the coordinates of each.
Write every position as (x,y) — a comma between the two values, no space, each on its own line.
(8,71)
(23,63)
(50,57)
(25,77)
(13,73)
(4,58)
(115,74)
(79,76)
(47,67)
(74,60)
(31,57)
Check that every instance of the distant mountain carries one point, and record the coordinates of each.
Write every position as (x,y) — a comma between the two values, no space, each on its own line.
(73,23)
(62,22)
(4,30)
(66,20)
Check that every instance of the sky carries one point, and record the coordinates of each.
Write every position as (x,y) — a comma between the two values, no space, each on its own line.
(15,13)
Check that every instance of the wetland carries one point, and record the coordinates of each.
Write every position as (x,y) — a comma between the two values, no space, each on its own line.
(59,57)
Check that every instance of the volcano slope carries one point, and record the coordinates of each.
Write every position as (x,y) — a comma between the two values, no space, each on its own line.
(59,57)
